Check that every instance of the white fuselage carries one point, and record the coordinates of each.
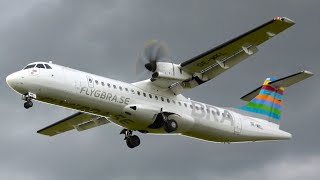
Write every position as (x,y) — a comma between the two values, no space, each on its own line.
(114,100)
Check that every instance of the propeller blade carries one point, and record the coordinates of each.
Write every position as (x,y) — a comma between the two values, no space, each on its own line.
(153,52)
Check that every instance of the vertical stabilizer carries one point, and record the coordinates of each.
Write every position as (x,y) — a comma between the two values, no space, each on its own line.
(267,100)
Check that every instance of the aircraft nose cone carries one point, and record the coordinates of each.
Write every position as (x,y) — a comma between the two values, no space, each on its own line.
(12,80)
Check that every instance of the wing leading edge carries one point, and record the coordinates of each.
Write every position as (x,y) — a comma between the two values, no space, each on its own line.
(219,59)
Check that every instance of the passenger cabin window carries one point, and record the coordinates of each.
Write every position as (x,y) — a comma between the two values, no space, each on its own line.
(156,97)
(47,66)
(173,101)
(168,100)
(213,112)
(40,66)
(114,86)
(132,91)
(150,96)
(185,104)
(138,92)
(120,88)
(102,83)
(126,89)
(162,99)
(179,103)
(191,106)
(97,82)
(108,85)
(29,66)
(144,94)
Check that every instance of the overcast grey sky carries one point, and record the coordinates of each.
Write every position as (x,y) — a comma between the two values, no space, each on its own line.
(104,37)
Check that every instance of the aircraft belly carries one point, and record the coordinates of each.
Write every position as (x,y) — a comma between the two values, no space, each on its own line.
(211,131)
(109,104)
(238,129)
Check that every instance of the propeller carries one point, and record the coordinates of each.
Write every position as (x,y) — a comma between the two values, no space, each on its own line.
(153,52)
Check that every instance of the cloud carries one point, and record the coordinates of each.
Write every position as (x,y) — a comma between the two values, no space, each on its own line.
(284,168)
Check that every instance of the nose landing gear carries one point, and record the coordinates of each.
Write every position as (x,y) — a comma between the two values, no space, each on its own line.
(131,140)
(28,97)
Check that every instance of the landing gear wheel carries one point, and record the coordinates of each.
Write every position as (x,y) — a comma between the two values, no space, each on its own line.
(28,104)
(170,126)
(133,141)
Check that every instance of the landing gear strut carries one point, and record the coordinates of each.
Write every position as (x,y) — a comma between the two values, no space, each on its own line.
(131,140)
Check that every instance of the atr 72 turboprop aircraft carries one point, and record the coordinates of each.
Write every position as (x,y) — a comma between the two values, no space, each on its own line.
(156,105)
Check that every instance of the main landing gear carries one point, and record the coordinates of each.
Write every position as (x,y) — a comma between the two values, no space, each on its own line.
(131,140)
(28,97)
(170,125)
(162,120)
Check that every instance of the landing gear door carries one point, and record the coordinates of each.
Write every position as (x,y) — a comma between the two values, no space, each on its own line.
(237,125)
(90,81)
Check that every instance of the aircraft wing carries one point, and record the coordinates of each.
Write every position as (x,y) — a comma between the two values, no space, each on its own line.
(219,59)
(79,121)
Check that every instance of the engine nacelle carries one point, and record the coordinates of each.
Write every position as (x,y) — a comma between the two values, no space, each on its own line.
(167,74)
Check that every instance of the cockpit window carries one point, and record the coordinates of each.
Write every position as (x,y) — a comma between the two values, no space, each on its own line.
(47,66)
(29,66)
(40,66)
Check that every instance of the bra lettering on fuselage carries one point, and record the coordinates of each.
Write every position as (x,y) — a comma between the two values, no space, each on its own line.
(205,111)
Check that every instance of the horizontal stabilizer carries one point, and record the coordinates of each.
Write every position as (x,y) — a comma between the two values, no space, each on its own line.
(282,82)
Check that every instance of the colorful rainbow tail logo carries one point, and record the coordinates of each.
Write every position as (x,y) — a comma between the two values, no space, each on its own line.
(268,102)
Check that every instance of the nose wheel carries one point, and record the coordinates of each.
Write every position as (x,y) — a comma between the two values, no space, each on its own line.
(28,97)
(28,104)
(131,140)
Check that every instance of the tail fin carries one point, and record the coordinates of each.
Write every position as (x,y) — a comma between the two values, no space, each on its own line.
(267,100)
